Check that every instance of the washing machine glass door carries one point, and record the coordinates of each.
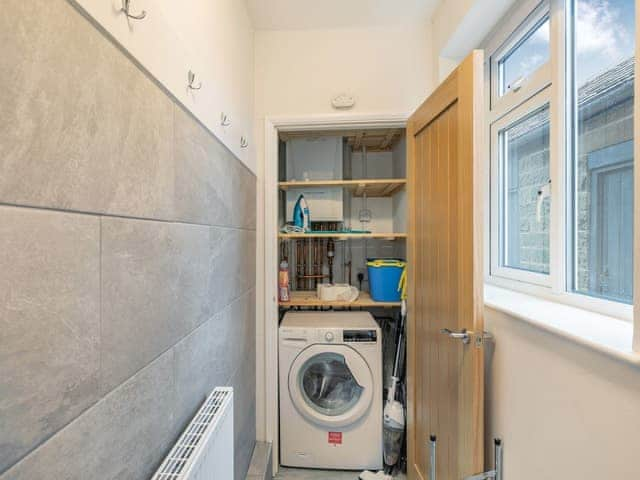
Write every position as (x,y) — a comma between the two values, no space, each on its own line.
(331,385)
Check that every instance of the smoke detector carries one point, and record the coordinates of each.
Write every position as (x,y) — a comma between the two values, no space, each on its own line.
(343,101)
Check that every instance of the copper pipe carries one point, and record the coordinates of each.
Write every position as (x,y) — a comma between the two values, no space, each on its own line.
(331,252)
(299,262)
(307,245)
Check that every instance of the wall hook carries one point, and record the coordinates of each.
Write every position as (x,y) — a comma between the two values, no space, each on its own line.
(224,120)
(191,78)
(243,142)
(126,9)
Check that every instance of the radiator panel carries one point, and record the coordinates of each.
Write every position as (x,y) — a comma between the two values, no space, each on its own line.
(204,451)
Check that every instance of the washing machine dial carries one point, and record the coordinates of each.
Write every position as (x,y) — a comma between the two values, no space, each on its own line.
(329,336)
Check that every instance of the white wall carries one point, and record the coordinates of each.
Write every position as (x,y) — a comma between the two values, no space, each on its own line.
(300,71)
(221,34)
(459,26)
(564,411)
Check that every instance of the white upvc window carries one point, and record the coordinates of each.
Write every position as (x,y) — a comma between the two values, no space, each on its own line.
(560,126)
(519,251)
(520,67)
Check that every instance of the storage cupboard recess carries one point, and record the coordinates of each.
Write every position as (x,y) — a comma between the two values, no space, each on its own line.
(354,183)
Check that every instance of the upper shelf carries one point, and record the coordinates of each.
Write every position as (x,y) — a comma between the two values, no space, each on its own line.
(339,235)
(374,187)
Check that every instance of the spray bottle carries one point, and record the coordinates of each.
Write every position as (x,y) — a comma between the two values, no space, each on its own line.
(283,281)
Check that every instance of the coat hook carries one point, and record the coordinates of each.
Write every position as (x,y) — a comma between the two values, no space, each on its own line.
(243,142)
(126,10)
(224,120)
(191,77)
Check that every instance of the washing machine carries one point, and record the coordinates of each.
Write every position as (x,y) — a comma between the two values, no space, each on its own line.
(330,390)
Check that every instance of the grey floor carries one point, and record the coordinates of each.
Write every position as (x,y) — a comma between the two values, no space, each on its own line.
(305,474)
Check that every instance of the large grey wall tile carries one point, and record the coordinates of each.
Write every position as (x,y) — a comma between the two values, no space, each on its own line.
(243,201)
(49,324)
(232,268)
(208,356)
(244,385)
(239,325)
(203,186)
(154,291)
(201,364)
(81,127)
(125,436)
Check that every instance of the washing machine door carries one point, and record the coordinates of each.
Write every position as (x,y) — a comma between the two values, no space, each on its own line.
(331,385)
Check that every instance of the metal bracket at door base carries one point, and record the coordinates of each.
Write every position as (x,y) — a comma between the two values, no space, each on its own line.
(496,473)
(482,476)
(432,457)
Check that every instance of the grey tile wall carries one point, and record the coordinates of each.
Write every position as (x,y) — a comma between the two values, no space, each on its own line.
(200,163)
(123,436)
(49,324)
(155,273)
(81,128)
(127,258)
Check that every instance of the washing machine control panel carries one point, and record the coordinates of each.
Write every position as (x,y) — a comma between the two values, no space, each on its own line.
(370,336)
(327,335)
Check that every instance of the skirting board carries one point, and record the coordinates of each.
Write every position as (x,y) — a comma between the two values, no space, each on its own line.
(260,467)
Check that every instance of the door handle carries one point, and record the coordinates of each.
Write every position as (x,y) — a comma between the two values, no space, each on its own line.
(461,335)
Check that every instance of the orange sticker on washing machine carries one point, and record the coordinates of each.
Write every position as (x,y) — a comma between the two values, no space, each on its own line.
(335,438)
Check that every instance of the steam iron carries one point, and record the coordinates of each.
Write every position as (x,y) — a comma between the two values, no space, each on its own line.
(301,217)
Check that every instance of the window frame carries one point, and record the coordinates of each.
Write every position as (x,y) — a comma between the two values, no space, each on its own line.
(530,106)
(509,31)
(537,80)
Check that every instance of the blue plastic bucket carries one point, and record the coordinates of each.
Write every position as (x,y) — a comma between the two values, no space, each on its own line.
(384,278)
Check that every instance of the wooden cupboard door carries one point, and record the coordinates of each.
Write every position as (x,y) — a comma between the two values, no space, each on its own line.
(445,339)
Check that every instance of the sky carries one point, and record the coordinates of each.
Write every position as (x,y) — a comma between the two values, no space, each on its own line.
(605,35)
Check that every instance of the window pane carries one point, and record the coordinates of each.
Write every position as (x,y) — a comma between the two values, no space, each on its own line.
(524,164)
(603,159)
(529,54)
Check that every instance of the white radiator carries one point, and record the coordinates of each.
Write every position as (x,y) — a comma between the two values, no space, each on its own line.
(204,451)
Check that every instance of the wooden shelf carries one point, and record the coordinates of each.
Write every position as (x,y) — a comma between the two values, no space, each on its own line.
(383,236)
(310,299)
(377,187)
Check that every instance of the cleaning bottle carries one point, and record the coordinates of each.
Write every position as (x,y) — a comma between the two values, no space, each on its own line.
(283,281)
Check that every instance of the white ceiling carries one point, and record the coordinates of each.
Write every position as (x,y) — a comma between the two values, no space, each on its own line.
(321,14)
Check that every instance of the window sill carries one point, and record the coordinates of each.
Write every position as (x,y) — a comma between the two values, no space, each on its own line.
(602,333)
